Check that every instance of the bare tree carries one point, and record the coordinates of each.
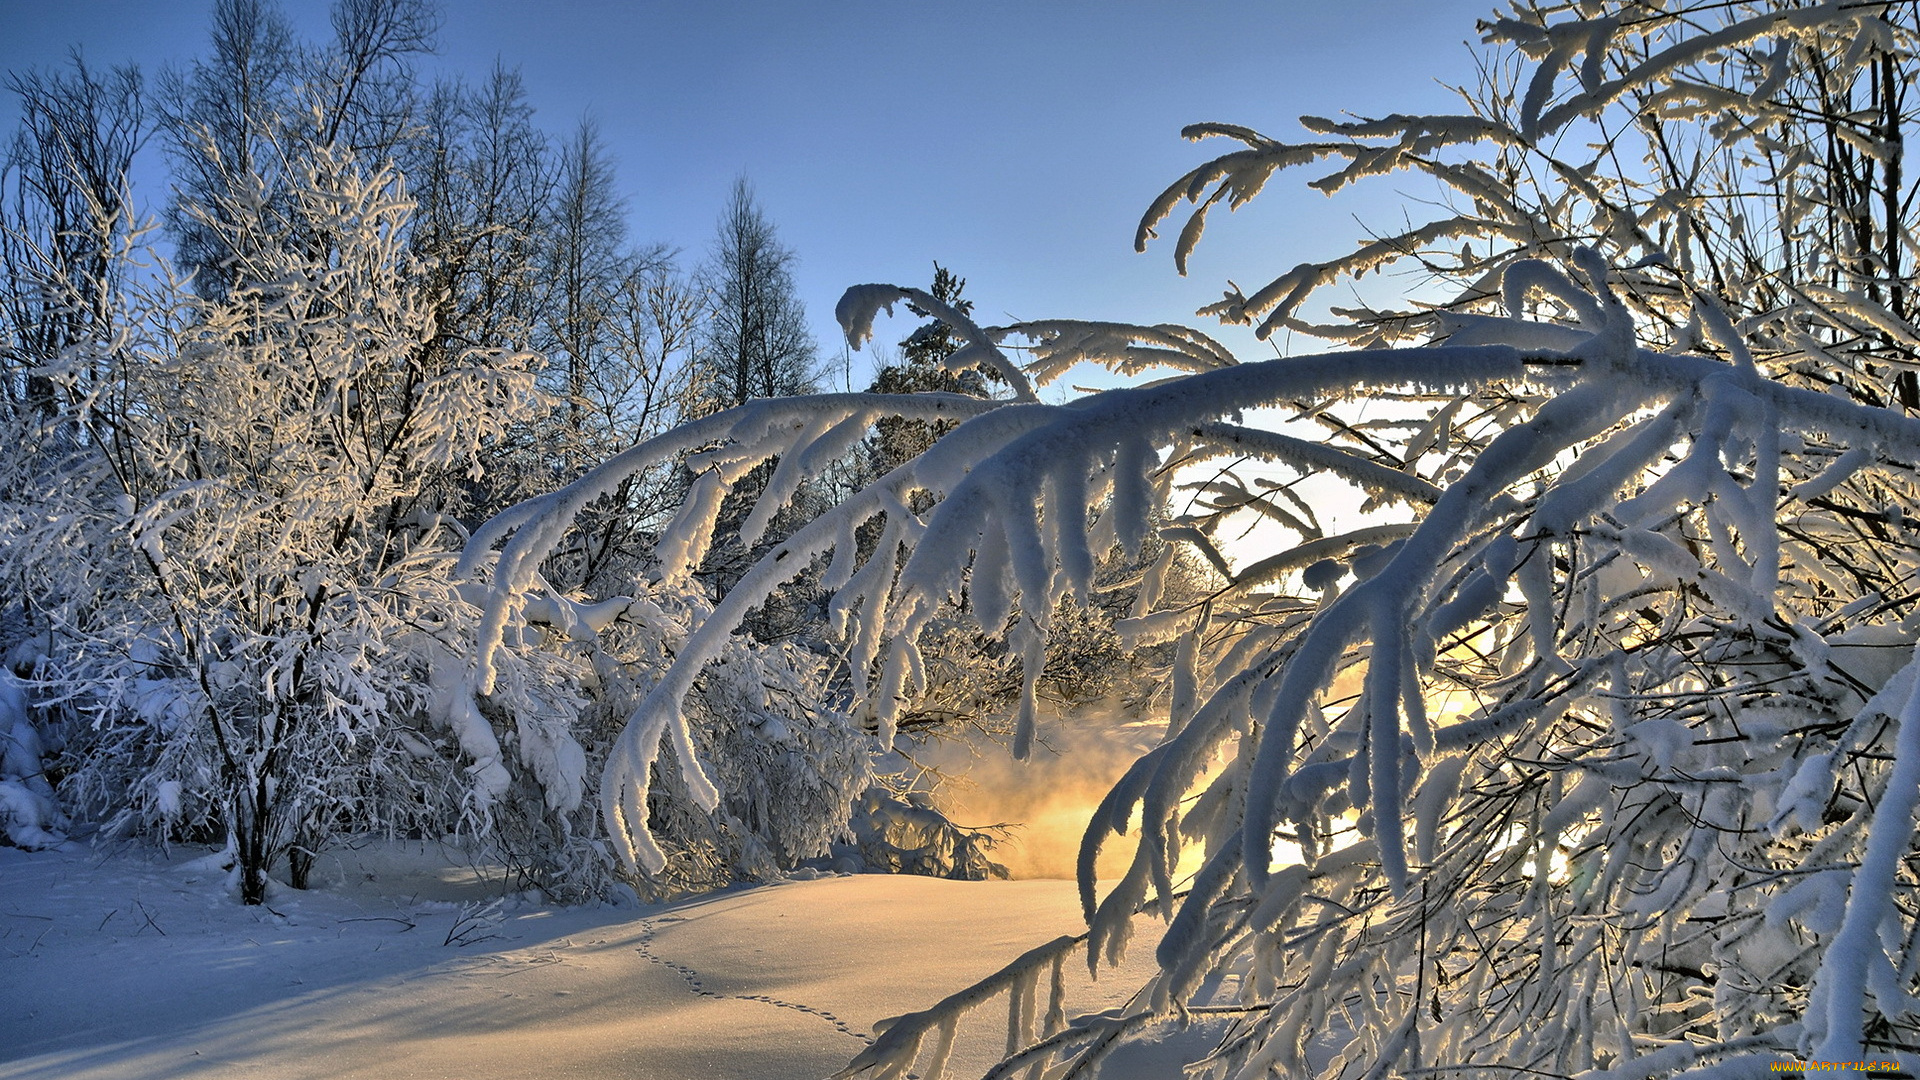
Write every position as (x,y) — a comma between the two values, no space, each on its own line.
(586,263)
(756,342)
(222,117)
(617,323)
(263,102)
(64,216)
(367,89)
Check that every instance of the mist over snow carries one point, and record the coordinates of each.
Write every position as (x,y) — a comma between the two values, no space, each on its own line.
(1046,799)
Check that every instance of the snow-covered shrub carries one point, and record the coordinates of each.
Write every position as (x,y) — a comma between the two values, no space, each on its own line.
(1598,750)
(909,835)
(29,815)
(972,681)
(788,769)
(235,533)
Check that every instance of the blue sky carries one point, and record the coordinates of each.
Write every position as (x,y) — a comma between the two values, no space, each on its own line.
(1017,143)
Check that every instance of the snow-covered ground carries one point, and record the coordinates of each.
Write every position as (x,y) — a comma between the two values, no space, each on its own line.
(123,965)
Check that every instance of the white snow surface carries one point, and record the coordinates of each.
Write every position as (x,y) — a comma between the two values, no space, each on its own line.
(133,965)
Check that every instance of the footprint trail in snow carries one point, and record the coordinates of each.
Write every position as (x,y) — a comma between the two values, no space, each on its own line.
(692,979)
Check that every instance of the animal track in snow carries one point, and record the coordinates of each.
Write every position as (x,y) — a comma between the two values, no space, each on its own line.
(692,979)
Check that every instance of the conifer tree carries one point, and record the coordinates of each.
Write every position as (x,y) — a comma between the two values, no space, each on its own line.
(922,368)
